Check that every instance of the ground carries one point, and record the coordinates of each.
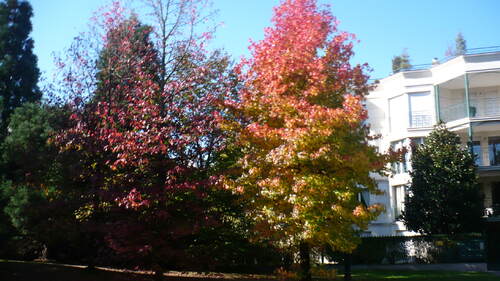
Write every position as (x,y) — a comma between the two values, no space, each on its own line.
(32,271)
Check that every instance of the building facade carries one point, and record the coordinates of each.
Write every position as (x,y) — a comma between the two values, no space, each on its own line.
(463,92)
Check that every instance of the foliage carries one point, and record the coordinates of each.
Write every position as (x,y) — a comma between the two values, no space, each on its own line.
(42,190)
(305,152)
(460,45)
(18,85)
(18,70)
(443,174)
(25,149)
(150,141)
(401,62)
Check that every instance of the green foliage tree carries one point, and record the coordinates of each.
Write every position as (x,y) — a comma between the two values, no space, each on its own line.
(444,194)
(18,69)
(25,150)
(42,189)
(25,153)
(401,62)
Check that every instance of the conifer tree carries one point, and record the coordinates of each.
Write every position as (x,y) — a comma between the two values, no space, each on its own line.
(401,62)
(460,45)
(18,65)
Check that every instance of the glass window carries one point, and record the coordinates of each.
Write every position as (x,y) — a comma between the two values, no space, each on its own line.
(399,194)
(398,113)
(364,198)
(494,150)
(418,141)
(421,110)
(476,148)
(400,166)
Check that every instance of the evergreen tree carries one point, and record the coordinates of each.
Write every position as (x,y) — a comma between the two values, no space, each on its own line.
(444,195)
(401,62)
(18,70)
(38,194)
(460,45)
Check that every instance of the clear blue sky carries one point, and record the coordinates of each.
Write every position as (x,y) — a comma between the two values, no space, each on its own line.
(384,27)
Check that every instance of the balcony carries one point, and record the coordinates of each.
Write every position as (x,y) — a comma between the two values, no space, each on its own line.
(475,95)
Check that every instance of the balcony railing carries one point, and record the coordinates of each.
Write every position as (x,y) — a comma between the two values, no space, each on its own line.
(452,112)
(470,51)
(485,107)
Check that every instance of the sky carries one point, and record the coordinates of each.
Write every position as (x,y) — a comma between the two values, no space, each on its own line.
(384,28)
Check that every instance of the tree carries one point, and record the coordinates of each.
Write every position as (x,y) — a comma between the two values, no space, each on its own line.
(460,45)
(18,70)
(42,188)
(151,140)
(444,175)
(401,62)
(305,149)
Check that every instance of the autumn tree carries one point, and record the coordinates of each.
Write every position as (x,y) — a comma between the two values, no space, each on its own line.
(147,126)
(305,147)
(443,174)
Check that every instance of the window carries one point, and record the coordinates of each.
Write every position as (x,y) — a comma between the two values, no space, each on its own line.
(418,141)
(399,194)
(402,165)
(421,110)
(364,198)
(494,150)
(398,113)
(476,149)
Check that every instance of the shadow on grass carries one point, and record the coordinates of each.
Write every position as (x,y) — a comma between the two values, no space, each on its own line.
(34,271)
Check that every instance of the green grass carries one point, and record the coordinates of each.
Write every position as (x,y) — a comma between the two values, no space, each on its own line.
(386,275)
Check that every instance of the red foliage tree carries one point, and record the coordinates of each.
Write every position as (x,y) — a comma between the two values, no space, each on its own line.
(148,128)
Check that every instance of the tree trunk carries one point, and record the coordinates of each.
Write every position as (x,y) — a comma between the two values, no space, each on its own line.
(347,267)
(305,261)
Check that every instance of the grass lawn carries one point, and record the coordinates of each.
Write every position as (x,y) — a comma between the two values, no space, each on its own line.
(376,275)
(32,271)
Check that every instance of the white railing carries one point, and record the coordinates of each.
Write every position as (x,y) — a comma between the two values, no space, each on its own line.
(421,120)
(483,107)
(452,112)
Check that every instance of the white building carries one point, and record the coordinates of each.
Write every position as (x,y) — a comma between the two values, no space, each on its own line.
(463,92)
